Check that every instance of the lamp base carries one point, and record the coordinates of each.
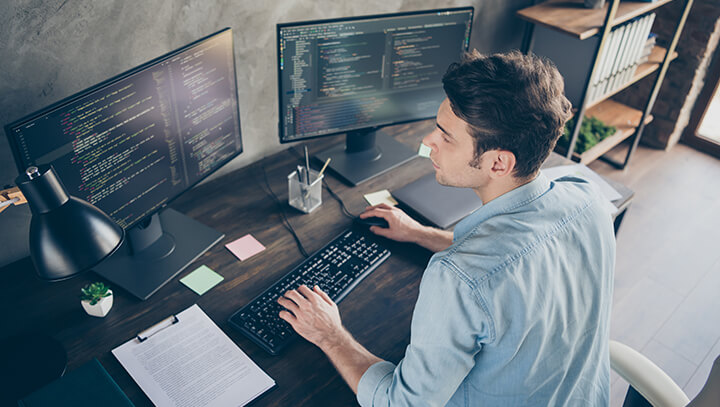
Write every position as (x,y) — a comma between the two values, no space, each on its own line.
(28,362)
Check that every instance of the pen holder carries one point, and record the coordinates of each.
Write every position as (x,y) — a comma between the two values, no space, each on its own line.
(303,196)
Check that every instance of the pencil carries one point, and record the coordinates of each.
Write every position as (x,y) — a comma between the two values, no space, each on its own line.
(324,166)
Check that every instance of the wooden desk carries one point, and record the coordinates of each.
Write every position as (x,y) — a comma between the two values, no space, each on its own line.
(377,312)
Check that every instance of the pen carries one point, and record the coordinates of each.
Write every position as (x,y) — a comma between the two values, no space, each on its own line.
(307,166)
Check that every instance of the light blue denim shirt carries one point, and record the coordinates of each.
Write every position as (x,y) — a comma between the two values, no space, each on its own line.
(516,312)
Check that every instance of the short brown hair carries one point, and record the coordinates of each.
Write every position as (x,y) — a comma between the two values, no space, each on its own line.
(510,101)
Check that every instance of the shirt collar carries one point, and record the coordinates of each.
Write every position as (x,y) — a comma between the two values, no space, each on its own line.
(508,201)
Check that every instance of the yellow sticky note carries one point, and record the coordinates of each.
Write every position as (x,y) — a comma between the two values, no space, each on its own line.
(376,198)
(202,279)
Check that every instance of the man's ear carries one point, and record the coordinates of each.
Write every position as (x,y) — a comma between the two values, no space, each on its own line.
(502,164)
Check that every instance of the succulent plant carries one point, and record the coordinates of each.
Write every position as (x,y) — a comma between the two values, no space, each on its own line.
(94,292)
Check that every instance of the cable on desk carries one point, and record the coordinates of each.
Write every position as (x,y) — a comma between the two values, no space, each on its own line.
(286,222)
(344,209)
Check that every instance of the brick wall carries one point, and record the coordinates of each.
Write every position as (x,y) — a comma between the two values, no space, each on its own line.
(685,76)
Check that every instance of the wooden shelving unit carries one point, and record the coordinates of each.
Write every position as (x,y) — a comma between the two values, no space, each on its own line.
(573,19)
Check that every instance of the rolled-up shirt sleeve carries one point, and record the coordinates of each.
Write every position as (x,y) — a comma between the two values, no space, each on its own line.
(377,376)
(448,326)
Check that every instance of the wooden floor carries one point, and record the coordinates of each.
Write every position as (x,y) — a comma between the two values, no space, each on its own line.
(667,281)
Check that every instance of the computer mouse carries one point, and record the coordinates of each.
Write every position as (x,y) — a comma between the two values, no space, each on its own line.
(371,221)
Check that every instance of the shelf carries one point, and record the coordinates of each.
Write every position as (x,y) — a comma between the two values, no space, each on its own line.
(653,64)
(624,118)
(572,18)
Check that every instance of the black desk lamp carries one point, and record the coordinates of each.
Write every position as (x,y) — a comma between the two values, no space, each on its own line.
(67,236)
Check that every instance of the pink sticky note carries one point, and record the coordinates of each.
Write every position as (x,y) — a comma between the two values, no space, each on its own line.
(245,247)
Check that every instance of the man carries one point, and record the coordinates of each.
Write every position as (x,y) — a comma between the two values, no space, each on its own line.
(514,306)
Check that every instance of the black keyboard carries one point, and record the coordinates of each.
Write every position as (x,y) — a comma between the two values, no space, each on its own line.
(336,268)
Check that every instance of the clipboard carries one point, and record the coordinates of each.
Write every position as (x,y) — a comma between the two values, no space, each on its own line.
(187,360)
(165,323)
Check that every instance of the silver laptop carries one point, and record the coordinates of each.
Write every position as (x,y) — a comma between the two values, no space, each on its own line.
(437,204)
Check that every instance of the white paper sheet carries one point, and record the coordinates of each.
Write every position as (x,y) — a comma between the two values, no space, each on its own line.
(193,363)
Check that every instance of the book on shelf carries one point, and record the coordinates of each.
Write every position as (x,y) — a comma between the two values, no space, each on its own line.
(605,61)
(619,58)
(647,49)
(619,55)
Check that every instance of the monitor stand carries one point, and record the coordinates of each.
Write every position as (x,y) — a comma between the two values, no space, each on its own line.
(366,154)
(157,250)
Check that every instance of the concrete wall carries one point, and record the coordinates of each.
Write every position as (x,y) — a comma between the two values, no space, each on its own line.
(51,49)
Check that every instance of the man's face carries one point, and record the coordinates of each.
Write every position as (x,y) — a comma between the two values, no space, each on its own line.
(453,150)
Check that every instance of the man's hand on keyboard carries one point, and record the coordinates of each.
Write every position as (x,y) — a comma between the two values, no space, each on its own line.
(313,315)
(316,318)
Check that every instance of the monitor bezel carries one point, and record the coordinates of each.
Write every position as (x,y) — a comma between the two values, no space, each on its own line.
(280,26)
(14,147)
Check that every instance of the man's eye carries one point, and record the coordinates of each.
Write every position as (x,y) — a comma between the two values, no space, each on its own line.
(445,139)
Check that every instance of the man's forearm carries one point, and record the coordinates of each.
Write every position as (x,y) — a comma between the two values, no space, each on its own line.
(434,239)
(350,358)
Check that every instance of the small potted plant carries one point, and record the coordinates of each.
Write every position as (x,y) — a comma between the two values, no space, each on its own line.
(96,299)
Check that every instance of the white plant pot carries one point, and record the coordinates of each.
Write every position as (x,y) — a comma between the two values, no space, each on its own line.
(101,308)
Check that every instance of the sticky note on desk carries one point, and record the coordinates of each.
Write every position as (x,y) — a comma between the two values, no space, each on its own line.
(245,247)
(202,279)
(376,198)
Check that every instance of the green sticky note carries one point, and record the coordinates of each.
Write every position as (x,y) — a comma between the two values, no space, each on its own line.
(202,279)
(424,151)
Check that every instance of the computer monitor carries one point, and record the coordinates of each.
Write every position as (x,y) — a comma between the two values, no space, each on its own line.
(133,143)
(356,75)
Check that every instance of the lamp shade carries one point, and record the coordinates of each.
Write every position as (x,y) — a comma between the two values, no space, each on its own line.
(67,235)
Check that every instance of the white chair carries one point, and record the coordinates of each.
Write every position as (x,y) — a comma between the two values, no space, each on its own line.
(655,386)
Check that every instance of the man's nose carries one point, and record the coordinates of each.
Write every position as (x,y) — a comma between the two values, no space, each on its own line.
(430,140)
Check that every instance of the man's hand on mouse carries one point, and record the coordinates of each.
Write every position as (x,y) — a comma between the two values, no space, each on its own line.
(401,227)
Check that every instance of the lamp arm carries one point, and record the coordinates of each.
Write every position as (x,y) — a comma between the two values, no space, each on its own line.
(11,196)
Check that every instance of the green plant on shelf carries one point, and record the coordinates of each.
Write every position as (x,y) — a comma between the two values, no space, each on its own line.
(94,292)
(592,131)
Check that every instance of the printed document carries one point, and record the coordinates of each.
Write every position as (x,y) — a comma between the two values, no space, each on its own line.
(192,363)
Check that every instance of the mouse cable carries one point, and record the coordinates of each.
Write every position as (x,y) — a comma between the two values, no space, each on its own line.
(344,209)
(285,220)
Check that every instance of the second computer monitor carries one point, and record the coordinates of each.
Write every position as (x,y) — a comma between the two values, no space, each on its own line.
(355,75)
(133,143)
